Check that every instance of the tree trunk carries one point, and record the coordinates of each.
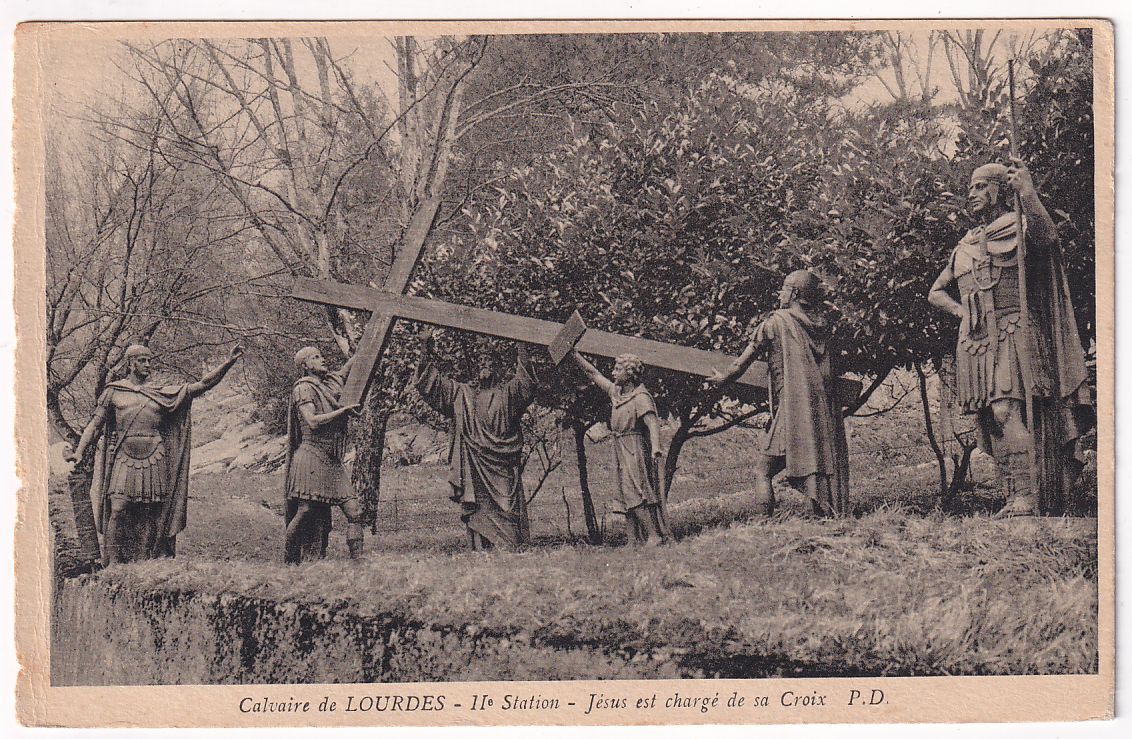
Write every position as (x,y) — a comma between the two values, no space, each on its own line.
(929,428)
(855,405)
(674,448)
(958,477)
(79,482)
(593,533)
(369,452)
(953,437)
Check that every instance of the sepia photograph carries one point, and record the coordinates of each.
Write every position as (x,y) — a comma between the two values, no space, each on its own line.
(711,358)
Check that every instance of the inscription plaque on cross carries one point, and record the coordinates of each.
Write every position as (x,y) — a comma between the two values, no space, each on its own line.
(389,306)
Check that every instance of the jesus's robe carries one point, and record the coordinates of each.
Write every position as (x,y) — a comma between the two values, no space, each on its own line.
(486,449)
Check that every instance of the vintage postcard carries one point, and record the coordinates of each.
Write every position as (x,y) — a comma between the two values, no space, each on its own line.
(438,373)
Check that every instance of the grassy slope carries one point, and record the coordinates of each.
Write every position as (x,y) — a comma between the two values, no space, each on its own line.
(887,593)
(416,514)
(237,515)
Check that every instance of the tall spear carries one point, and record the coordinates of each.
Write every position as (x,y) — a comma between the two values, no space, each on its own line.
(1023,336)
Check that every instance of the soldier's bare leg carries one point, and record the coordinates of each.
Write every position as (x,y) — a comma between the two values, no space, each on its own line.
(355,529)
(292,539)
(1012,441)
(147,516)
(766,467)
(118,535)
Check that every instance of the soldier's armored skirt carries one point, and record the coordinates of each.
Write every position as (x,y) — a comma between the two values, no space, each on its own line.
(138,474)
(988,359)
(317,472)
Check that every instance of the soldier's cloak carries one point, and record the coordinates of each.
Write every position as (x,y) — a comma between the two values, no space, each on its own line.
(1049,303)
(326,391)
(176,433)
(1067,412)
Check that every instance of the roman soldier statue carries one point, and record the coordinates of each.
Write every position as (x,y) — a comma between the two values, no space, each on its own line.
(1002,358)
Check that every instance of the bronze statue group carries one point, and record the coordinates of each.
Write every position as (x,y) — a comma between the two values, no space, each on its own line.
(1020,372)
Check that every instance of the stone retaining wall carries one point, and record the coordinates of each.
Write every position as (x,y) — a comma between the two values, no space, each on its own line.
(105,634)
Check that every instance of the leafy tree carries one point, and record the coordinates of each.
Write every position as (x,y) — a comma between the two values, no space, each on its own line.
(724,189)
(1055,138)
(1057,141)
(700,197)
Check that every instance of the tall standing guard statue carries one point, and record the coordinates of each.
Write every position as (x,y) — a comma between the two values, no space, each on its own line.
(142,474)
(1018,343)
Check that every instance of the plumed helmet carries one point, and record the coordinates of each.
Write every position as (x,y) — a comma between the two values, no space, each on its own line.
(806,285)
(993,172)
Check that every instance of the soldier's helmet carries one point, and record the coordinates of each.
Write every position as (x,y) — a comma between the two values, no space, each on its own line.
(134,351)
(992,172)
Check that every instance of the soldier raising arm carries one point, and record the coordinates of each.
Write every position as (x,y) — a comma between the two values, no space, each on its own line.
(138,361)
(143,476)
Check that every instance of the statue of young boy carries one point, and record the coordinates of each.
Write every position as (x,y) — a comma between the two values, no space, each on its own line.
(636,446)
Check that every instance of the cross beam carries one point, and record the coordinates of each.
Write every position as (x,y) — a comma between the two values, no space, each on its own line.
(530,330)
(376,334)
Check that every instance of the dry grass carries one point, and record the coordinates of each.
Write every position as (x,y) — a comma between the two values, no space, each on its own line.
(888,594)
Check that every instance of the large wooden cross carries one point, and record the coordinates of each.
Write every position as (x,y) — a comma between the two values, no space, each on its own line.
(390,303)
(376,334)
(518,328)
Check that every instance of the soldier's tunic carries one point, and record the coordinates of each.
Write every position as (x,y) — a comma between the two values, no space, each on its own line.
(989,363)
(632,448)
(314,470)
(988,360)
(143,460)
(485,452)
